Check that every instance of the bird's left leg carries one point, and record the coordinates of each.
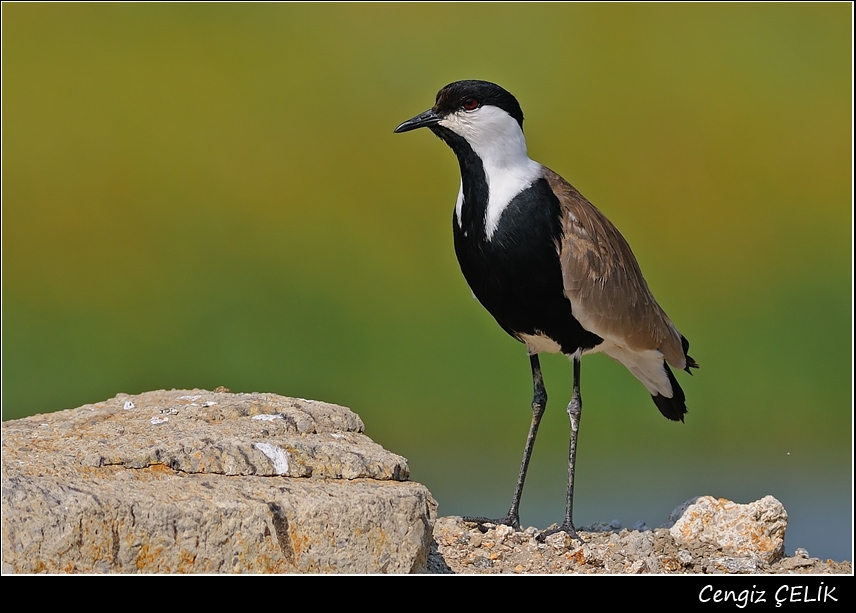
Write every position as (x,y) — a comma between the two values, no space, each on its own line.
(575,411)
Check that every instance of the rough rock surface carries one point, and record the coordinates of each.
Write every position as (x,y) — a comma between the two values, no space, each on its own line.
(754,530)
(463,547)
(211,482)
(199,481)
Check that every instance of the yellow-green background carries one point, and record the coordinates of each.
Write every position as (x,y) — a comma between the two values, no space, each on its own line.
(204,195)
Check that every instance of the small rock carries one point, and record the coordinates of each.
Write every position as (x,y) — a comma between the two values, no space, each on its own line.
(737,565)
(749,530)
(797,562)
(560,541)
(482,562)
(503,532)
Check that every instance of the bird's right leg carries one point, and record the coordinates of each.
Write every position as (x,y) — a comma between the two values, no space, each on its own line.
(539,403)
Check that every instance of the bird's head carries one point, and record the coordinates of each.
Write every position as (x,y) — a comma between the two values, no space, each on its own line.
(483,114)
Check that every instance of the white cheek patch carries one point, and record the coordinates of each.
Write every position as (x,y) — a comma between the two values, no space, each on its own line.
(497,139)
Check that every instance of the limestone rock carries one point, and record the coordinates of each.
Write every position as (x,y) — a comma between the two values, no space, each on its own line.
(199,481)
(754,531)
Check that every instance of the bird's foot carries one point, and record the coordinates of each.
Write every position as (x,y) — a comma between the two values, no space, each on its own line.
(482,522)
(567,528)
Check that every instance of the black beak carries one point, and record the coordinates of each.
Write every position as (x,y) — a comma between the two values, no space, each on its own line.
(428,118)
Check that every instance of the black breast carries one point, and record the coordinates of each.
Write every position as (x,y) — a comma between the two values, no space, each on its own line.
(516,273)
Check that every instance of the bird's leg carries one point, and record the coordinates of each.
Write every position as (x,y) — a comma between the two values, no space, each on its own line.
(575,411)
(539,403)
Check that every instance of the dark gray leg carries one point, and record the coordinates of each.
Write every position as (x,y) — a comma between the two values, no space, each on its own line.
(539,403)
(575,411)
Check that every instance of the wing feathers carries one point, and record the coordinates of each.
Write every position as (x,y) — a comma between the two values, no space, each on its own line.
(608,293)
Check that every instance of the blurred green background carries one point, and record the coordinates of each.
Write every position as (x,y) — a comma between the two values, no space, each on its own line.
(204,195)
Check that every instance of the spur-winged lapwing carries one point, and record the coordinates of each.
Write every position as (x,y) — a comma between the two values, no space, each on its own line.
(551,268)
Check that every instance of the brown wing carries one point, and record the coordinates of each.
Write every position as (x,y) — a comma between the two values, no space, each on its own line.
(603,281)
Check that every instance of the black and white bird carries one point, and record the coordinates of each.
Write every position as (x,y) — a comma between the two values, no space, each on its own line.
(550,267)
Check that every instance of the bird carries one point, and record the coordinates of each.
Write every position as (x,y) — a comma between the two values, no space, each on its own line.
(549,267)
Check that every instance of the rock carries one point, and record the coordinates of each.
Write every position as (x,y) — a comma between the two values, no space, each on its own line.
(755,530)
(199,481)
(463,547)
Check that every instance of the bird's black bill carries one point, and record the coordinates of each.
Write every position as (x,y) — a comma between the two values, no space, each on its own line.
(428,118)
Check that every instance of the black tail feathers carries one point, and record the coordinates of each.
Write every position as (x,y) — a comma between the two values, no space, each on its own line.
(673,408)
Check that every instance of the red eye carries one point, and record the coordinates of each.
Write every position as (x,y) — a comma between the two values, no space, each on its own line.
(471,104)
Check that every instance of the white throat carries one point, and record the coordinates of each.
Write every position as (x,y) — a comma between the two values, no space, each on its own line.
(497,139)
